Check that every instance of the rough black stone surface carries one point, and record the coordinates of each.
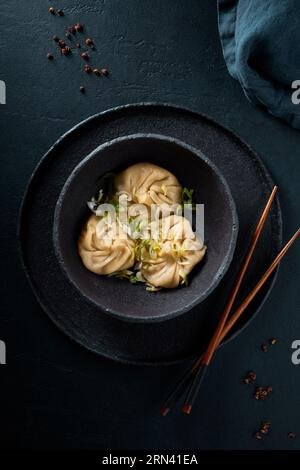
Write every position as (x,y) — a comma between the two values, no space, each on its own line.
(54,393)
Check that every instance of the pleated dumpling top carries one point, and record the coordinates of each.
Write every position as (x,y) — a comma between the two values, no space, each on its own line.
(105,248)
(171,253)
(149,184)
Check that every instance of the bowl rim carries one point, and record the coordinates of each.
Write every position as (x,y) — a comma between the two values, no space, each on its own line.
(222,269)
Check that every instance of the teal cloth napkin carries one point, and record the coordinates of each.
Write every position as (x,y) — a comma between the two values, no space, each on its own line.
(261,47)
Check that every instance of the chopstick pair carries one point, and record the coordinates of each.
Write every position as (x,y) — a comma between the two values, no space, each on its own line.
(192,380)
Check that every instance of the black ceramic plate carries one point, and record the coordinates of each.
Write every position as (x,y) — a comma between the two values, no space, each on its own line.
(172,340)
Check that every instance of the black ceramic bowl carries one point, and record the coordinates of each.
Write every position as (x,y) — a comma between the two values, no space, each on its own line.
(122,299)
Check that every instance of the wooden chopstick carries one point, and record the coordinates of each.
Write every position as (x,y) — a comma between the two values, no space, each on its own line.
(190,375)
(194,387)
(214,341)
(236,315)
(215,338)
(177,391)
(206,358)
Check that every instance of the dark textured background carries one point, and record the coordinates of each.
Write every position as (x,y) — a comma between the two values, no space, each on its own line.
(53,393)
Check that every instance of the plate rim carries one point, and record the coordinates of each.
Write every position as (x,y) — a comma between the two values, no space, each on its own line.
(148,104)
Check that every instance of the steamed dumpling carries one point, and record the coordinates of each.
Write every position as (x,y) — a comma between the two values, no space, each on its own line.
(171,253)
(105,248)
(149,184)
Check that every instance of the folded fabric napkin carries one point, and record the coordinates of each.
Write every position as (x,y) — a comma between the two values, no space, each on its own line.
(261,47)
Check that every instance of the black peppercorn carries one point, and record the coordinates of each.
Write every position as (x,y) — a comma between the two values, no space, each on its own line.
(78,27)
(66,50)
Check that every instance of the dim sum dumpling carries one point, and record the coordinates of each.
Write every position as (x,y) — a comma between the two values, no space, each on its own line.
(105,248)
(149,184)
(171,253)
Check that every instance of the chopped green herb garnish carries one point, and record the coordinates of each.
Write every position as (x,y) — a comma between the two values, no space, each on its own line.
(99,197)
(137,228)
(131,276)
(187,196)
(183,278)
(152,288)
